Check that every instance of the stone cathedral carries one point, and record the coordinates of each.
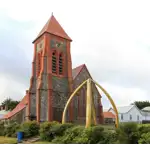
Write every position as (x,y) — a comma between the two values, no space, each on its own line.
(53,80)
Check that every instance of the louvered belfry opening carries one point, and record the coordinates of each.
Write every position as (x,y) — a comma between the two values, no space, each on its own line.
(39,63)
(60,64)
(54,62)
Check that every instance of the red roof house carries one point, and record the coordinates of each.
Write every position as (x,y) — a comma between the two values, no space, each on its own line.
(109,115)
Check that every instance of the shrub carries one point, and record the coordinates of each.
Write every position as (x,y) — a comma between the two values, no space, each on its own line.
(83,137)
(91,135)
(30,128)
(97,134)
(109,137)
(70,134)
(58,140)
(144,129)
(80,140)
(46,132)
(11,129)
(145,138)
(64,127)
(127,133)
(2,128)
(59,129)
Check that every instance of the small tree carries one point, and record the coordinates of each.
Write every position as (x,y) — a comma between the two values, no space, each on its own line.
(142,104)
(10,103)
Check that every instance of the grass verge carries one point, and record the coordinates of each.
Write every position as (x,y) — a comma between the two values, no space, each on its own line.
(7,140)
(41,142)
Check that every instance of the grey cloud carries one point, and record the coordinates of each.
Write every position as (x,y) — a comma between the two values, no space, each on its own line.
(15,63)
(108,42)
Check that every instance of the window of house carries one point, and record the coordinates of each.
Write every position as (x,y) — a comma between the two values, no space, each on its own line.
(130,117)
(54,62)
(60,64)
(138,117)
(121,116)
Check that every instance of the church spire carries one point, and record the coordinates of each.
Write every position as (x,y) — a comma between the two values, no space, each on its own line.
(53,27)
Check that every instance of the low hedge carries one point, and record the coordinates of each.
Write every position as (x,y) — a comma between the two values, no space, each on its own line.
(145,138)
(54,132)
(81,135)
(11,129)
(50,130)
(144,129)
(128,133)
(91,135)
(2,128)
(30,129)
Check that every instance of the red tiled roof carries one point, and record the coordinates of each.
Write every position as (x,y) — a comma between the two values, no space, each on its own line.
(18,108)
(108,115)
(52,26)
(77,70)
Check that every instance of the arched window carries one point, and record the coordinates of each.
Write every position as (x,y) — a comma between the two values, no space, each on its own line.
(54,69)
(60,64)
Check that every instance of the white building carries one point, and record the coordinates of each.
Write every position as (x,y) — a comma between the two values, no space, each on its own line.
(146,113)
(129,114)
(2,113)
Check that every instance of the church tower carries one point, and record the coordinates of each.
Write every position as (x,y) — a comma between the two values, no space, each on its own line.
(51,81)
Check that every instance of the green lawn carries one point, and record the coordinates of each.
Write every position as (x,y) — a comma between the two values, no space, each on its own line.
(41,142)
(7,140)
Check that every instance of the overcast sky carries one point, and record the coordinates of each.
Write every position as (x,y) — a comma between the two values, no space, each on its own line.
(111,37)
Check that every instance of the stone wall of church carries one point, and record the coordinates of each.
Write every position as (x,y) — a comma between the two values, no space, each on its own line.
(32,104)
(19,117)
(80,104)
(33,93)
(44,93)
(43,98)
(60,94)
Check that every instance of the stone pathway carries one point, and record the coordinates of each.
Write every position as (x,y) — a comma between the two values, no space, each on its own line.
(31,140)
